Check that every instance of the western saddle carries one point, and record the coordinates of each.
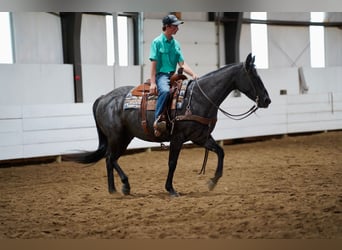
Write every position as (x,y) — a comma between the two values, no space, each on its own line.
(148,102)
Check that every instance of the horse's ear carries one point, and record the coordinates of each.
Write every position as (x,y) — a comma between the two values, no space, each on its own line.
(253,59)
(249,61)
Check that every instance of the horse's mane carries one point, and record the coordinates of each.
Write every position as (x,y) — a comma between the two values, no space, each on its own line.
(224,67)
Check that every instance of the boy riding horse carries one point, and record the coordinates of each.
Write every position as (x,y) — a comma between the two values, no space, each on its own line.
(165,54)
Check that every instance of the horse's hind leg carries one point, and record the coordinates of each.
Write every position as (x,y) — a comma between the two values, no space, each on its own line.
(111,164)
(126,188)
(118,148)
(110,174)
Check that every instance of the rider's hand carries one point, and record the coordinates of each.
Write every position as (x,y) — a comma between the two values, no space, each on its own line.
(153,88)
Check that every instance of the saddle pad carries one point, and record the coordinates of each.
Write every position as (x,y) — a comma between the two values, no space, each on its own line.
(134,102)
(181,95)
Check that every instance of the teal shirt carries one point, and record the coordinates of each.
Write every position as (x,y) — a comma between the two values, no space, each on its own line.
(167,53)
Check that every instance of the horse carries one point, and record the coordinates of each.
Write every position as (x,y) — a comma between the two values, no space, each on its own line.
(116,127)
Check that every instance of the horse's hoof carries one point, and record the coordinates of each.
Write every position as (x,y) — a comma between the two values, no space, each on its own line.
(126,191)
(211,184)
(174,194)
(112,191)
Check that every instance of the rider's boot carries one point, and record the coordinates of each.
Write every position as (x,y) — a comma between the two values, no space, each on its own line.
(159,126)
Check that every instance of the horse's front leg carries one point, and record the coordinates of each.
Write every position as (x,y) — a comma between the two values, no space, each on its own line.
(213,146)
(173,158)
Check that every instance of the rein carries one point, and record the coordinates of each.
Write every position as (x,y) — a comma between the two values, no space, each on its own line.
(227,114)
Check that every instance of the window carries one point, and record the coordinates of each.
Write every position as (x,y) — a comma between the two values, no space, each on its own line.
(6,49)
(259,40)
(122,30)
(123,40)
(317,51)
(110,40)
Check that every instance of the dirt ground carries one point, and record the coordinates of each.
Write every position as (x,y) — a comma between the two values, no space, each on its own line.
(289,187)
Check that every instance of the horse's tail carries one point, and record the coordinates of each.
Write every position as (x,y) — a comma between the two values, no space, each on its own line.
(91,156)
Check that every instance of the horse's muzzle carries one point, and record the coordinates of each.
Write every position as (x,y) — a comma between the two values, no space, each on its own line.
(265,102)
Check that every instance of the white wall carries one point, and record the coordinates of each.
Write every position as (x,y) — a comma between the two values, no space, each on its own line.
(53,83)
(323,80)
(333,47)
(93,39)
(289,46)
(36,84)
(37,38)
(185,16)
(289,16)
(100,79)
(97,80)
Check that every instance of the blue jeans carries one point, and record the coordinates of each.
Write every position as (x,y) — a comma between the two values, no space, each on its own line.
(163,87)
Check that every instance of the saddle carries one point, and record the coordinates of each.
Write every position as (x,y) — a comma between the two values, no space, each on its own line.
(144,88)
(141,97)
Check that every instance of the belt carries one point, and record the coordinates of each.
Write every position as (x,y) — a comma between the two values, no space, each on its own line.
(167,73)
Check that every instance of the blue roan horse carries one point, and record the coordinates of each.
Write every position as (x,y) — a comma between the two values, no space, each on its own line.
(196,119)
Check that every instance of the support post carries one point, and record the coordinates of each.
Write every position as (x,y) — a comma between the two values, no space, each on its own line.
(71,33)
(232,22)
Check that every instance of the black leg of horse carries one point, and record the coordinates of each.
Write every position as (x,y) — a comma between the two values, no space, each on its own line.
(118,148)
(173,158)
(213,146)
(126,188)
(110,174)
(111,164)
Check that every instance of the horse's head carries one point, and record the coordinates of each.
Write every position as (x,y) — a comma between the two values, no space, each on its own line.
(251,84)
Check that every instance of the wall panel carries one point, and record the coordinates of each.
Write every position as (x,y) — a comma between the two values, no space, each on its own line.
(36,84)
(37,38)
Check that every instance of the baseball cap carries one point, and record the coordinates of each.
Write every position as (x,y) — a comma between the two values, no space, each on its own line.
(171,20)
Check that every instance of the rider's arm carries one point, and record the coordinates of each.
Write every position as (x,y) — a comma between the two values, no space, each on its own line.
(187,69)
(153,87)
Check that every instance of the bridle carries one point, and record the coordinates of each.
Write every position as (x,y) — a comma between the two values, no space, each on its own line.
(229,115)
(241,116)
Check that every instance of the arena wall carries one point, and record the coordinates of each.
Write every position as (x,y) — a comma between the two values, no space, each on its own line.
(38,116)
(32,130)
